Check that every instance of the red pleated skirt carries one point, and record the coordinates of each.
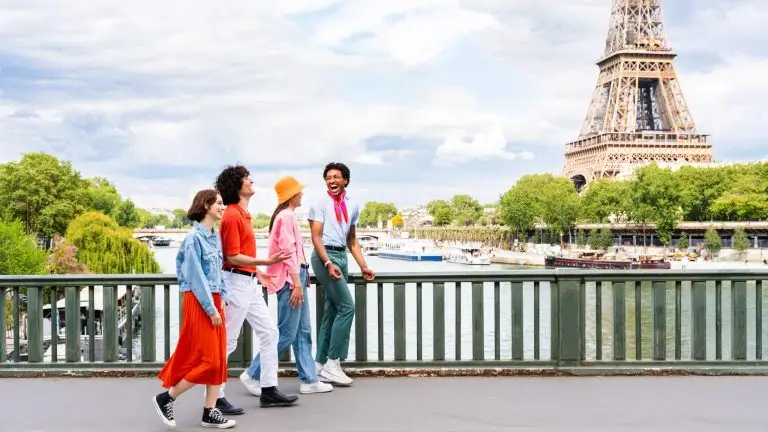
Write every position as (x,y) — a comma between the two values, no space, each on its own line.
(201,352)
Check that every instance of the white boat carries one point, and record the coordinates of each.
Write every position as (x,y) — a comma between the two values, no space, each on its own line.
(468,254)
(369,245)
(410,250)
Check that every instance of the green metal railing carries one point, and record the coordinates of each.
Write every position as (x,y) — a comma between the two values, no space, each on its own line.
(551,320)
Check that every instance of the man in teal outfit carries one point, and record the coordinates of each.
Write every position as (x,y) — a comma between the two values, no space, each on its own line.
(332,222)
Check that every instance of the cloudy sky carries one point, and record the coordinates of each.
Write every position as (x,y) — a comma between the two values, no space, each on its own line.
(421,98)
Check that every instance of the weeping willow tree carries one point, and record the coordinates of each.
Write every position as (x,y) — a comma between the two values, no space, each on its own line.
(107,248)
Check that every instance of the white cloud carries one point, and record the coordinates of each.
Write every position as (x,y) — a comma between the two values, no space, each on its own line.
(491,144)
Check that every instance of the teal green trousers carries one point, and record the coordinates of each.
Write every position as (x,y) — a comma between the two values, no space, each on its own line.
(338,312)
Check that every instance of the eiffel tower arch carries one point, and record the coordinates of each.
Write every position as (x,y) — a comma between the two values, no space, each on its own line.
(638,113)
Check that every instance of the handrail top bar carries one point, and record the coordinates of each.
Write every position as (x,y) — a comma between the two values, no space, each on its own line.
(439,277)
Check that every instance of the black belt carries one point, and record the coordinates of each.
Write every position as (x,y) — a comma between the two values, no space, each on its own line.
(242,272)
(305,266)
(336,248)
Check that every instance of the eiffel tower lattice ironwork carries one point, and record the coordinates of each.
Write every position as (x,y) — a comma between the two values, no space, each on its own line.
(638,113)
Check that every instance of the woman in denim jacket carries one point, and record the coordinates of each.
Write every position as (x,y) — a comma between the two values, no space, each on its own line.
(200,356)
(289,279)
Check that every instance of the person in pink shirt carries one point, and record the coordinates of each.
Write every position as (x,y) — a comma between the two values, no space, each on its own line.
(289,279)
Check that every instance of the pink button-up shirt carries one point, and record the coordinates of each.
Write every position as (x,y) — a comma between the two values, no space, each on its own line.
(285,235)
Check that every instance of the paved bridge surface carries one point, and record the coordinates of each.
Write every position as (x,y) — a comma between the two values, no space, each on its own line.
(616,404)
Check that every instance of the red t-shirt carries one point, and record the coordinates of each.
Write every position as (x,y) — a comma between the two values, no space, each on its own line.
(237,236)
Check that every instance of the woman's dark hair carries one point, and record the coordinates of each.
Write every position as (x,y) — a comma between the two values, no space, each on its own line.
(282,206)
(201,203)
(229,183)
(337,166)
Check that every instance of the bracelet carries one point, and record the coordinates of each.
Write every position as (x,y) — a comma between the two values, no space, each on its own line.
(326,263)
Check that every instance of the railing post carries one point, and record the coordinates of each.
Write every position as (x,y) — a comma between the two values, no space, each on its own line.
(3,325)
(35,320)
(361,321)
(478,322)
(109,328)
(148,331)
(73,323)
(570,329)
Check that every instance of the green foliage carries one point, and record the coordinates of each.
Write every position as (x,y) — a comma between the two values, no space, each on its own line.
(374,211)
(102,195)
(559,205)
(107,248)
(180,219)
(441,212)
(127,215)
(604,198)
(8,313)
(19,254)
(601,239)
(63,260)
(466,210)
(520,207)
(747,199)
(656,198)
(712,241)
(581,239)
(42,192)
(260,221)
(740,241)
(682,244)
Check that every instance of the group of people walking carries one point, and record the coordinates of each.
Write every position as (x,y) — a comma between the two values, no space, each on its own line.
(218,274)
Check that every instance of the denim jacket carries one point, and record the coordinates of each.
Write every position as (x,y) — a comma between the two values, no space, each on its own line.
(198,266)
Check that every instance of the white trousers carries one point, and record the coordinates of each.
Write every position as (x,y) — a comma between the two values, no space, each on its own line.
(246,302)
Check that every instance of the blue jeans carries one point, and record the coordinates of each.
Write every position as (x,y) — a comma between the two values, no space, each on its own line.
(295,330)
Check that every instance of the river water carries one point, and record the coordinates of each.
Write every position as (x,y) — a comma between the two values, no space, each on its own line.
(166,258)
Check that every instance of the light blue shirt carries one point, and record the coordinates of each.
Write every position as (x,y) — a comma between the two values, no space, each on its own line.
(198,266)
(334,232)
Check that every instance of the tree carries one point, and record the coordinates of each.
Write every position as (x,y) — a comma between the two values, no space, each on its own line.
(746,200)
(126,214)
(19,254)
(740,241)
(441,212)
(102,195)
(149,220)
(107,248)
(374,211)
(42,192)
(712,242)
(560,205)
(261,221)
(397,221)
(682,243)
(180,219)
(466,210)
(520,206)
(603,198)
(699,188)
(63,260)
(581,239)
(656,198)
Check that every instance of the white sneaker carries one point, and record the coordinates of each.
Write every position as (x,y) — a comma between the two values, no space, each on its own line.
(252,385)
(319,368)
(332,371)
(315,387)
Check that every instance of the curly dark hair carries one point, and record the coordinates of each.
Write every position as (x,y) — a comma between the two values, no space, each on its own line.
(337,166)
(229,183)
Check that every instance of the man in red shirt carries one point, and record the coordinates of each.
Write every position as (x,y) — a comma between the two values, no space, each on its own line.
(245,296)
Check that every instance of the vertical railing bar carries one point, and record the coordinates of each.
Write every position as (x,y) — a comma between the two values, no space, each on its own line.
(719,319)
(34,324)
(554,293)
(72,303)
(380,319)
(361,321)
(110,322)
(91,324)
(659,294)
(739,319)
(399,318)
(497,320)
(129,320)
(620,321)
(759,319)
(16,324)
(419,322)
(536,323)
(598,320)
(516,297)
(166,322)
(678,320)
(699,321)
(457,328)
(478,322)
(4,326)
(148,323)
(582,317)
(54,325)
(638,322)
(438,321)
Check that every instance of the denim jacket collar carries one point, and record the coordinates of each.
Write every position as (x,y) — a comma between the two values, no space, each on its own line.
(201,229)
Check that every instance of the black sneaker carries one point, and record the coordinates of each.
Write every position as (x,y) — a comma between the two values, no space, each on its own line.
(164,406)
(272,397)
(227,408)
(212,418)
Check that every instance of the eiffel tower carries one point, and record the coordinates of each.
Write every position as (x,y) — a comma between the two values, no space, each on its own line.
(638,113)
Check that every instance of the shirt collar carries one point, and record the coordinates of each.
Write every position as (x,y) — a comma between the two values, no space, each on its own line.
(203,230)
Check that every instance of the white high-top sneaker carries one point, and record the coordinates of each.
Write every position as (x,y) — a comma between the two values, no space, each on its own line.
(252,385)
(319,368)
(333,372)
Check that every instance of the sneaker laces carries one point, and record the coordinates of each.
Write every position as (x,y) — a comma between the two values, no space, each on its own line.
(215,415)
(168,409)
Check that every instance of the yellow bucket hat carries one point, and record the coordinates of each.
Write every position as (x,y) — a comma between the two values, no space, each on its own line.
(286,188)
